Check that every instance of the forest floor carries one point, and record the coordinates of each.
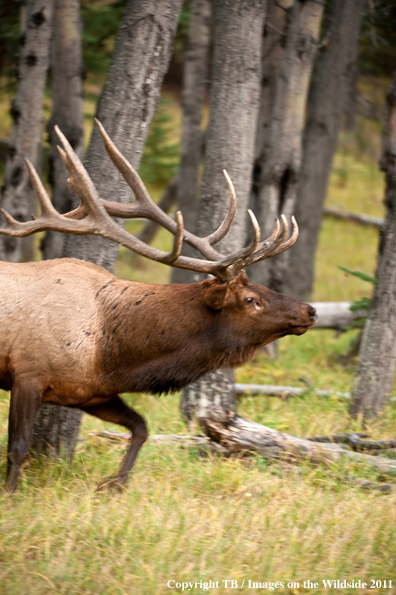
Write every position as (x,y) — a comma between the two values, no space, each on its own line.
(189,517)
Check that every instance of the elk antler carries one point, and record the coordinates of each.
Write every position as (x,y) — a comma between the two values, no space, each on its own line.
(94,216)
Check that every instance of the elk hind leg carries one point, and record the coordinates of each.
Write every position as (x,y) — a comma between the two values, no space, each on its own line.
(24,404)
(117,412)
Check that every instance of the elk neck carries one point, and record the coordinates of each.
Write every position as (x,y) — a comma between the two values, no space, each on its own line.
(156,338)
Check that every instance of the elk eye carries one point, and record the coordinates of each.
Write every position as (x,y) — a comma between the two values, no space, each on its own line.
(250,300)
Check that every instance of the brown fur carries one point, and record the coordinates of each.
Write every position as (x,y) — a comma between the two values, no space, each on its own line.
(73,334)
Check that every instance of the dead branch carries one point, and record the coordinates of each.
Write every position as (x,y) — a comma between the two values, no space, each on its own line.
(362,219)
(356,441)
(349,438)
(283,391)
(185,440)
(366,485)
(237,434)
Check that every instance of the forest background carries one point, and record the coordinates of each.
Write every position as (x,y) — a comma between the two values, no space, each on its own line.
(261,521)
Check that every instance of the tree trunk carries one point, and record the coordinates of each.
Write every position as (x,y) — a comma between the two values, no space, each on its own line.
(67,109)
(377,361)
(278,186)
(273,47)
(234,104)
(141,57)
(326,109)
(17,196)
(194,87)
(55,430)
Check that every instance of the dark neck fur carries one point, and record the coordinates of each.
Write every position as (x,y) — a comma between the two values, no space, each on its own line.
(160,338)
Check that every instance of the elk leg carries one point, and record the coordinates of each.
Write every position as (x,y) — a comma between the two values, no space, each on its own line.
(24,404)
(117,412)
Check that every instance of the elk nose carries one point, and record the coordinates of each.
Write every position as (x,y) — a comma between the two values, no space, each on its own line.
(312,314)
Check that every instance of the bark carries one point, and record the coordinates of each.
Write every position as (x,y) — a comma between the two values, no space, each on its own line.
(141,57)
(273,47)
(326,108)
(352,93)
(56,428)
(278,186)
(234,104)
(55,431)
(237,434)
(377,358)
(17,195)
(194,88)
(67,109)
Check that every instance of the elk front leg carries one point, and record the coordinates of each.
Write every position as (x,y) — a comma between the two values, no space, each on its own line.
(25,402)
(117,412)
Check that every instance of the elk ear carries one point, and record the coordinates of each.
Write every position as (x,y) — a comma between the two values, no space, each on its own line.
(216,296)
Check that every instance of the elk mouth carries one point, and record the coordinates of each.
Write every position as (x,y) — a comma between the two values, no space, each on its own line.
(300,329)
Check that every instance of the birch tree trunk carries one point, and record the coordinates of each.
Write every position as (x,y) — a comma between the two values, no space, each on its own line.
(377,357)
(234,105)
(280,174)
(141,57)
(67,109)
(328,96)
(17,196)
(194,87)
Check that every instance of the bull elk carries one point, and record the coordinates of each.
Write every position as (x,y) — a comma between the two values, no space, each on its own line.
(73,334)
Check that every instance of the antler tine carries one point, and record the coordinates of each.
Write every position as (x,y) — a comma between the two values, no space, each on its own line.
(276,247)
(178,241)
(48,212)
(274,234)
(144,206)
(79,179)
(245,252)
(128,172)
(98,221)
(47,207)
(291,241)
(224,227)
(267,247)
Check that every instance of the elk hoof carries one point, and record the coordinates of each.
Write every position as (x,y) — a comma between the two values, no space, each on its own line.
(112,483)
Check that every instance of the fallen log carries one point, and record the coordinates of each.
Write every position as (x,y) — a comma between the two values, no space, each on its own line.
(185,440)
(349,438)
(237,434)
(369,220)
(334,315)
(283,391)
(356,440)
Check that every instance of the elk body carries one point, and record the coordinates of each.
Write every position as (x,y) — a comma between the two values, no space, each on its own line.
(72,334)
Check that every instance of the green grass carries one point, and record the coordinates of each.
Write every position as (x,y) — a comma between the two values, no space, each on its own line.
(189,517)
